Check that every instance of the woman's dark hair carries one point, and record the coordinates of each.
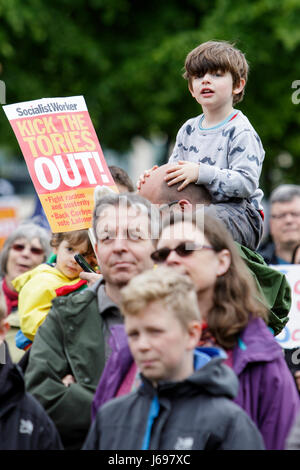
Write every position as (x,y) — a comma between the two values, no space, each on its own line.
(236,298)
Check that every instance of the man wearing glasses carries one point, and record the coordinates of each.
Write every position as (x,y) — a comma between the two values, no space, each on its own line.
(82,330)
(284,225)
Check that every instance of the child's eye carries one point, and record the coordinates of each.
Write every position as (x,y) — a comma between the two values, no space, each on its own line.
(155,331)
(132,335)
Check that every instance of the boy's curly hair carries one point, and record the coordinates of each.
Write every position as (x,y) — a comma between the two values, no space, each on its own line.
(217,55)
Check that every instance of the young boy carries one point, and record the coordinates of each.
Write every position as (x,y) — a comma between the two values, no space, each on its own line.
(38,287)
(184,400)
(219,148)
(24,424)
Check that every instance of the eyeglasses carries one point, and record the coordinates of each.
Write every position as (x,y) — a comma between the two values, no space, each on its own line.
(21,247)
(284,214)
(183,249)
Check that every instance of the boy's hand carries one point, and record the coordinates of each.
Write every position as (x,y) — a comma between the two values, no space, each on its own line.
(68,380)
(144,175)
(184,171)
(91,278)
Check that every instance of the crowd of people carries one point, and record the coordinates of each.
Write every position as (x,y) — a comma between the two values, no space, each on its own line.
(170,343)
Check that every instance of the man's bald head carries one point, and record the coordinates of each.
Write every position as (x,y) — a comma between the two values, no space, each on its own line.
(157,191)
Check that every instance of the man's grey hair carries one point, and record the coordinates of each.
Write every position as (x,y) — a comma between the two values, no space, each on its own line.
(128,200)
(29,231)
(285,193)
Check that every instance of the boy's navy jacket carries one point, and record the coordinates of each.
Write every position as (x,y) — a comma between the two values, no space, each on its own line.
(197,413)
(24,424)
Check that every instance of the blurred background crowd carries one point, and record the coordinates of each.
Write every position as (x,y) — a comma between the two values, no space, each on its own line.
(126,58)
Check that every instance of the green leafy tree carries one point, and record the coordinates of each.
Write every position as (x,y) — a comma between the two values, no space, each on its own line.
(126,57)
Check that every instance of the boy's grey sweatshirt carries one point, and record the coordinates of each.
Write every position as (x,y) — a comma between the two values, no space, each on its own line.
(230,158)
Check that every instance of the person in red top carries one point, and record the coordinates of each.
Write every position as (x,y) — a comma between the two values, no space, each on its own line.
(26,247)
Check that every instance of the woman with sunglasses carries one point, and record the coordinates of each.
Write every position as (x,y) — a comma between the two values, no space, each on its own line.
(27,247)
(235,320)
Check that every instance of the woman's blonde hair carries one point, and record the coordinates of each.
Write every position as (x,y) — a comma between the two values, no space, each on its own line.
(175,291)
(236,298)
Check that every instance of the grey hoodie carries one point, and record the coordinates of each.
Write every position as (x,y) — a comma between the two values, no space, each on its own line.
(197,413)
(230,158)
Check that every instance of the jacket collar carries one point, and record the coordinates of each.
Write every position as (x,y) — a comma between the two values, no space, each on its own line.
(255,344)
(104,301)
(71,306)
(213,378)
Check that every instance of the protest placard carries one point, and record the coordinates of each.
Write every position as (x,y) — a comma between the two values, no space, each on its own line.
(63,156)
(290,336)
(8,221)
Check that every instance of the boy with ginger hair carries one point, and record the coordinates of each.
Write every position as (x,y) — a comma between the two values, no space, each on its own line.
(184,400)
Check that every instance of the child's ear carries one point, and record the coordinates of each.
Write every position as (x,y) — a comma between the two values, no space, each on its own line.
(239,87)
(191,90)
(194,332)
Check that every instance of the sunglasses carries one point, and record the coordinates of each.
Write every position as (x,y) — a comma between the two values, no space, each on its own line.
(183,249)
(21,247)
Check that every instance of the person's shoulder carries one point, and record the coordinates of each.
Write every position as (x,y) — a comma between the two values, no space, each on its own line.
(77,299)
(190,125)
(260,346)
(82,304)
(34,421)
(241,117)
(32,412)
(257,328)
(30,407)
(118,406)
(267,251)
(119,402)
(218,409)
(30,277)
(47,277)
(243,122)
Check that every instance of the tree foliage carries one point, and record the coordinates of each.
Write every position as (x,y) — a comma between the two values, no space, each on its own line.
(126,57)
